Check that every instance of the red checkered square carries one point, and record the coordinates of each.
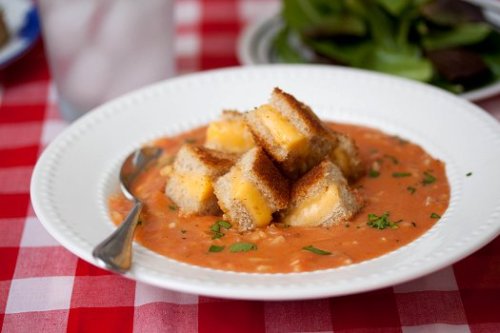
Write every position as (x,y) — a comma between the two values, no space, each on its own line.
(102,291)
(425,307)
(41,321)
(482,309)
(22,113)
(230,316)
(166,317)
(8,257)
(103,319)
(299,316)
(11,230)
(363,312)
(83,268)
(26,155)
(44,261)
(14,205)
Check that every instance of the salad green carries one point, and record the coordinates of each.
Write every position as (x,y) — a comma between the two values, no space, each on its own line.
(444,42)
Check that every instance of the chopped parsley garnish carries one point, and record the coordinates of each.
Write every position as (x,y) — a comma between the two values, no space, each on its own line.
(435,216)
(381,222)
(428,178)
(401,174)
(172,207)
(190,140)
(468,174)
(217,226)
(242,247)
(215,248)
(411,189)
(373,173)
(139,222)
(315,250)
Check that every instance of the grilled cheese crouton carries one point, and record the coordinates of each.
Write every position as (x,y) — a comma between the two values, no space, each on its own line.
(346,156)
(290,133)
(229,134)
(252,191)
(321,197)
(190,183)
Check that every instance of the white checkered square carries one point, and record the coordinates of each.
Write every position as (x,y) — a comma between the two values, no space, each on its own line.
(35,235)
(39,294)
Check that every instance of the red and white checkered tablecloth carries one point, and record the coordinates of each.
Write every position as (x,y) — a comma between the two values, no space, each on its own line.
(45,288)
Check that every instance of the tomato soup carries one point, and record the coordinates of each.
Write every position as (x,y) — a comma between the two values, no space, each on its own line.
(405,191)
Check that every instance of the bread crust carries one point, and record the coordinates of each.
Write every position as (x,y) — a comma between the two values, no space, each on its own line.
(255,167)
(196,161)
(319,179)
(319,140)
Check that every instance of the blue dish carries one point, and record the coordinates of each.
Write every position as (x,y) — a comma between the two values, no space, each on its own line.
(22,36)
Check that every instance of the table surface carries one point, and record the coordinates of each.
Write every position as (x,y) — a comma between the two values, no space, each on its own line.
(45,288)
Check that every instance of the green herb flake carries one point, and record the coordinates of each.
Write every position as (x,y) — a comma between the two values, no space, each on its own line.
(216,228)
(172,207)
(401,174)
(381,222)
(315,250)
(435,216)
(183,231)
(215,248)
(139,222)
(190,140)
(373,173)
(411,189)
(224,224)
(468,174)
(428,178)
(242,247)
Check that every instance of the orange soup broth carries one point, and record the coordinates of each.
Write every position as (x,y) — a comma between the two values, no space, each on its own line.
(401,179)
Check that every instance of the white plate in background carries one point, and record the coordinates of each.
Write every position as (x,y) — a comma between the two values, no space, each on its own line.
(256,42)
(79,169)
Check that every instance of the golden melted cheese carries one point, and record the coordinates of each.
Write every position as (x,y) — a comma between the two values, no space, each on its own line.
(198,187)
(232,136)
(283,132)
(314,210)
(253,200)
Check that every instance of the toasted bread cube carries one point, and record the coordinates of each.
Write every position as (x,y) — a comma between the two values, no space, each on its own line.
(190,183)
(252,191)
(229,134)
(346,156)
(290,133)
(321,197)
